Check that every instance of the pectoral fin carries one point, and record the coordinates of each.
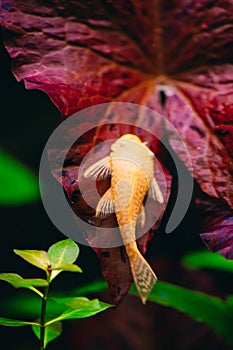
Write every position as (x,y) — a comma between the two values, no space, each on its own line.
(105,205)
(100,169)
(155,192)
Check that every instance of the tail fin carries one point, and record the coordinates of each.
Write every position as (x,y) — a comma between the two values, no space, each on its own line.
(143,275)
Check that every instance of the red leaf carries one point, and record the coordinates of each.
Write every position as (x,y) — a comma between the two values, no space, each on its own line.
(212,163)
(83,53)
(217,231)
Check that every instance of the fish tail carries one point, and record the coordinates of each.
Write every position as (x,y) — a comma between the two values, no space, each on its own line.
(143,275)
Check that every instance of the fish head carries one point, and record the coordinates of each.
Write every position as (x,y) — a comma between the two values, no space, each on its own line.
(131,143)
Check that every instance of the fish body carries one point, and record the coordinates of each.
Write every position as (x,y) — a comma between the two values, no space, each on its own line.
(131,165)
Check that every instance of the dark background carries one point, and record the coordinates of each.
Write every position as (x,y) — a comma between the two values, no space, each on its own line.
(27,120)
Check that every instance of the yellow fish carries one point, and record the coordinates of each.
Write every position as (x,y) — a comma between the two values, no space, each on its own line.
(131,165)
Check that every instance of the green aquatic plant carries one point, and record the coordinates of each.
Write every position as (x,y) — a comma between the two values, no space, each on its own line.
(48,325)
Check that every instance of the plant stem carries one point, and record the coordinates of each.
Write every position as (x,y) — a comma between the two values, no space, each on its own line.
(43,318)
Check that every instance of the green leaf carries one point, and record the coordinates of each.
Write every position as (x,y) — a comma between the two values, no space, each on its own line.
(51,332)
(29,306)
(15,323)
(38,258)
(229,300)
(201,307)
(229,303)
(93,287)
(73,302)
(79,307)
(18,184)
(69,267)
(206,259)
(62,253)
(19,282)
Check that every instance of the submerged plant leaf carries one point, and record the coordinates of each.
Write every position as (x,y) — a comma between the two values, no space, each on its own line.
(63,252)
(27,306)
(62,255)
(51,332)
(86,53)
(18,184)
(84,57)
(213,311)
(78,307)
(16,323)
(76,303)
(69,268)
(93,287)
(201,307)
(19,282)
(217,230)
(38,258)
(205,259)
